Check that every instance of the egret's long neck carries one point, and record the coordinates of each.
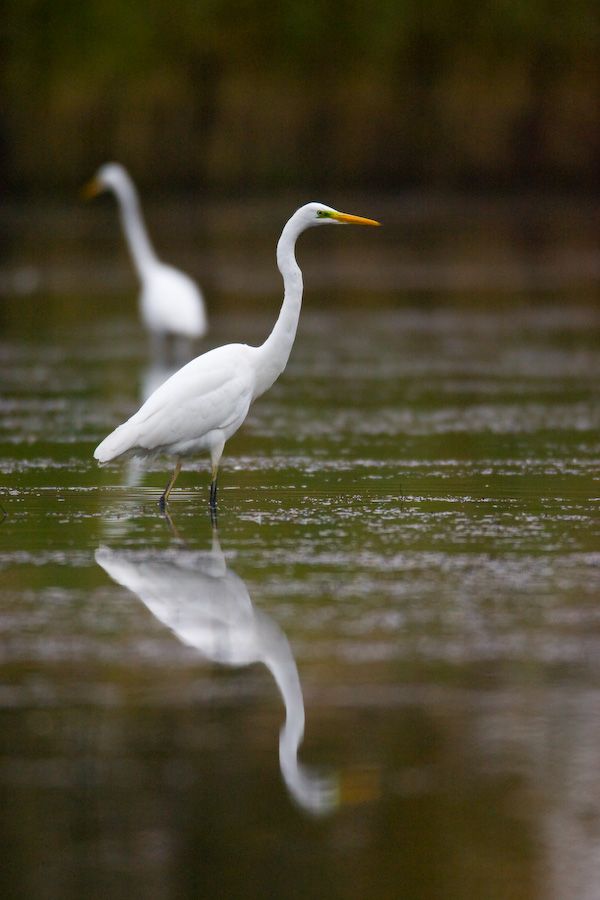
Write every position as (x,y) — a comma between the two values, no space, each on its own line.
(275,352)
(136,235)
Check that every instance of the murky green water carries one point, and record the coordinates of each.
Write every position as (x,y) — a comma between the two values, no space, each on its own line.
(380,678)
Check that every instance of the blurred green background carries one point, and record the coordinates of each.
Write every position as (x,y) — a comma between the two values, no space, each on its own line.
(239,98)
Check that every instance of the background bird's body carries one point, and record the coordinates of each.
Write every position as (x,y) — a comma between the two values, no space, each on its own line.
(204,403)
(170,302)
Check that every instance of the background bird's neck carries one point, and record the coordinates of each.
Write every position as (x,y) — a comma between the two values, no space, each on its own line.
(135,229)
(275,351)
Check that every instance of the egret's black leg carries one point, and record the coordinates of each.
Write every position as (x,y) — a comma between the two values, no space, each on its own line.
(213,501)
(215,456)
(165,495)
(213,490)
(213,517)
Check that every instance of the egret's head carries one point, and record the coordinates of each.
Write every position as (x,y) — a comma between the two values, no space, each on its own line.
(108,177)
(320,214)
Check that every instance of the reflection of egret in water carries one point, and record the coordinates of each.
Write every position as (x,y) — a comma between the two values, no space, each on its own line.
(208,607)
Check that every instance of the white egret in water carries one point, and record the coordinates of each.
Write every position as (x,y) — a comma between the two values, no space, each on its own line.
(171,303)
(205,402)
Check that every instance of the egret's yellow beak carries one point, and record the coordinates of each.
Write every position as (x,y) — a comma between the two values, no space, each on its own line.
(91,189)
(346,219)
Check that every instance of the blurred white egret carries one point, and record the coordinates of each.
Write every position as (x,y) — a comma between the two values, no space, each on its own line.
(171,303)
(205,402)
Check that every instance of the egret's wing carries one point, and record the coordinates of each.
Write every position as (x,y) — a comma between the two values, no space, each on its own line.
(209,392)
(213,391)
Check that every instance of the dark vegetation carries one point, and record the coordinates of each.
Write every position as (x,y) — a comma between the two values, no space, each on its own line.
(247,96)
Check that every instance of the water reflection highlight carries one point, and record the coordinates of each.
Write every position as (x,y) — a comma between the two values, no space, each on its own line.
(208,607)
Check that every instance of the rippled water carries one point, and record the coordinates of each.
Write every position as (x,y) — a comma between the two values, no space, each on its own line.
(378,678)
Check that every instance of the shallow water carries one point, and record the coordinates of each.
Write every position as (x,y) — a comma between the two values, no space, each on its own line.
(378,678)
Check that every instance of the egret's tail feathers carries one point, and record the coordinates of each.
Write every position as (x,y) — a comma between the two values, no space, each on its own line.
(120,443)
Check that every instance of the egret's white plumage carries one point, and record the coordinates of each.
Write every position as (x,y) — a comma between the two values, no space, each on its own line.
(205,402)
(170,301)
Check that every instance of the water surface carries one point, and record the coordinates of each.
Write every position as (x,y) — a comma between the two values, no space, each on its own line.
(378,678)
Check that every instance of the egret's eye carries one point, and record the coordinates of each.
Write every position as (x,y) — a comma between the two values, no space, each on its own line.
(322,214)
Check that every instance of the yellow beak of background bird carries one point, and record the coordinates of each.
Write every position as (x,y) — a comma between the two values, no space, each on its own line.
(91,189)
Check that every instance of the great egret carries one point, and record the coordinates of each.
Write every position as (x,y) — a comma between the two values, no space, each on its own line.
(202,404)
(171,303)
